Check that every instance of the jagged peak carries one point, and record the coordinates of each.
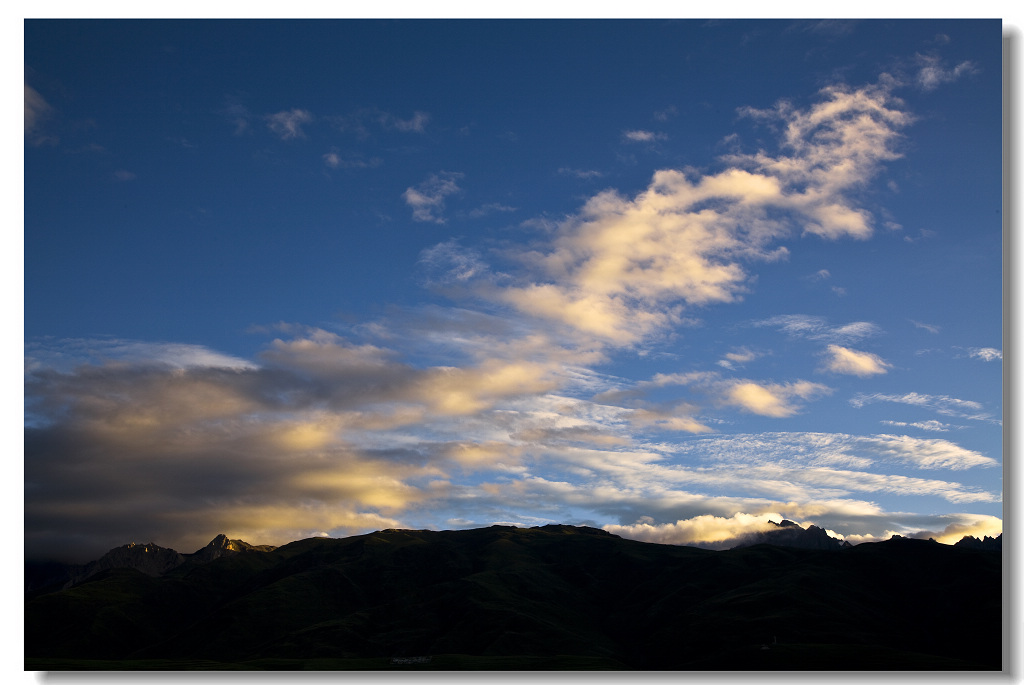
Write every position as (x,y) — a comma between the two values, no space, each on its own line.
(221,540)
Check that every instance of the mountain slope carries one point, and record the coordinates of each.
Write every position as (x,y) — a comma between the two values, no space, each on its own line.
(572,595)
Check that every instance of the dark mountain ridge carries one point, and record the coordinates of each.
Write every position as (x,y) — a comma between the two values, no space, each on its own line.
(549,597)
(150,559)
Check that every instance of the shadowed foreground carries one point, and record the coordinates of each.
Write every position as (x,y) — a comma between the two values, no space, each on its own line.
(550,598)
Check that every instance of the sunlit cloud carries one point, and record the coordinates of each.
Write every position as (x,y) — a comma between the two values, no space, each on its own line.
(697,530)
(854,362)
(776,400)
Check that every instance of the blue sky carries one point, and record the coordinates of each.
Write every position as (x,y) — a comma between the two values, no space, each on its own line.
(670,278)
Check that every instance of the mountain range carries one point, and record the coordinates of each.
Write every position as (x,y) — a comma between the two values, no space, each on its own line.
(500,598)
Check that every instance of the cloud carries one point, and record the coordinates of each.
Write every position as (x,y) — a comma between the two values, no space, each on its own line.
(336,161)
(666,113)
(37,109)
(976,525)
(928,327)
(490,208)
(427,199)
(68,353)
(836,145)
(449,262)
(943,404)
(625,268)
(580,173)
(988,354)
(288,124)
(854,362)
(322,434)
(123,175)
(702,530)
(818,328)
(775,400)
(639,136)
(417,123)
(930,425)
(795,450)
(737,357)
(931,74)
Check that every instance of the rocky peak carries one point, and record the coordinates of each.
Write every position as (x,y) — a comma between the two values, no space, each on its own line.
(790,534)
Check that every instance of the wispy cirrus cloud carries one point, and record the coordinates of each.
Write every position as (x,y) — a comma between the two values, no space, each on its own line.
(37,110)
(580,173)
(817,328)
(931,73)
(417,123)
(926,326)
(428,198)
(942,404)
(931,425)
(288,124)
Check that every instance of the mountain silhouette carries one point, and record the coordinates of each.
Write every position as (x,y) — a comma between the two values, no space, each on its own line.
(552,597)
(150,559)
(790,534)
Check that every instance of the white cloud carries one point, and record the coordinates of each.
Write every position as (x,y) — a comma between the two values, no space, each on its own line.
(930,425)
(928,327)
(666,114)
(931,73)
(288,124)
(988,354)
(580,173)
(336,161)
(943,404)
(449,262)
(417,123)
(737,357)
(427,199)
(639,136)
(818,328)
(490,208)
(67,353)
(854,362)
(36,109)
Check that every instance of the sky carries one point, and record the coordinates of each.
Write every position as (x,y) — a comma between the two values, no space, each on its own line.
(673,279)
